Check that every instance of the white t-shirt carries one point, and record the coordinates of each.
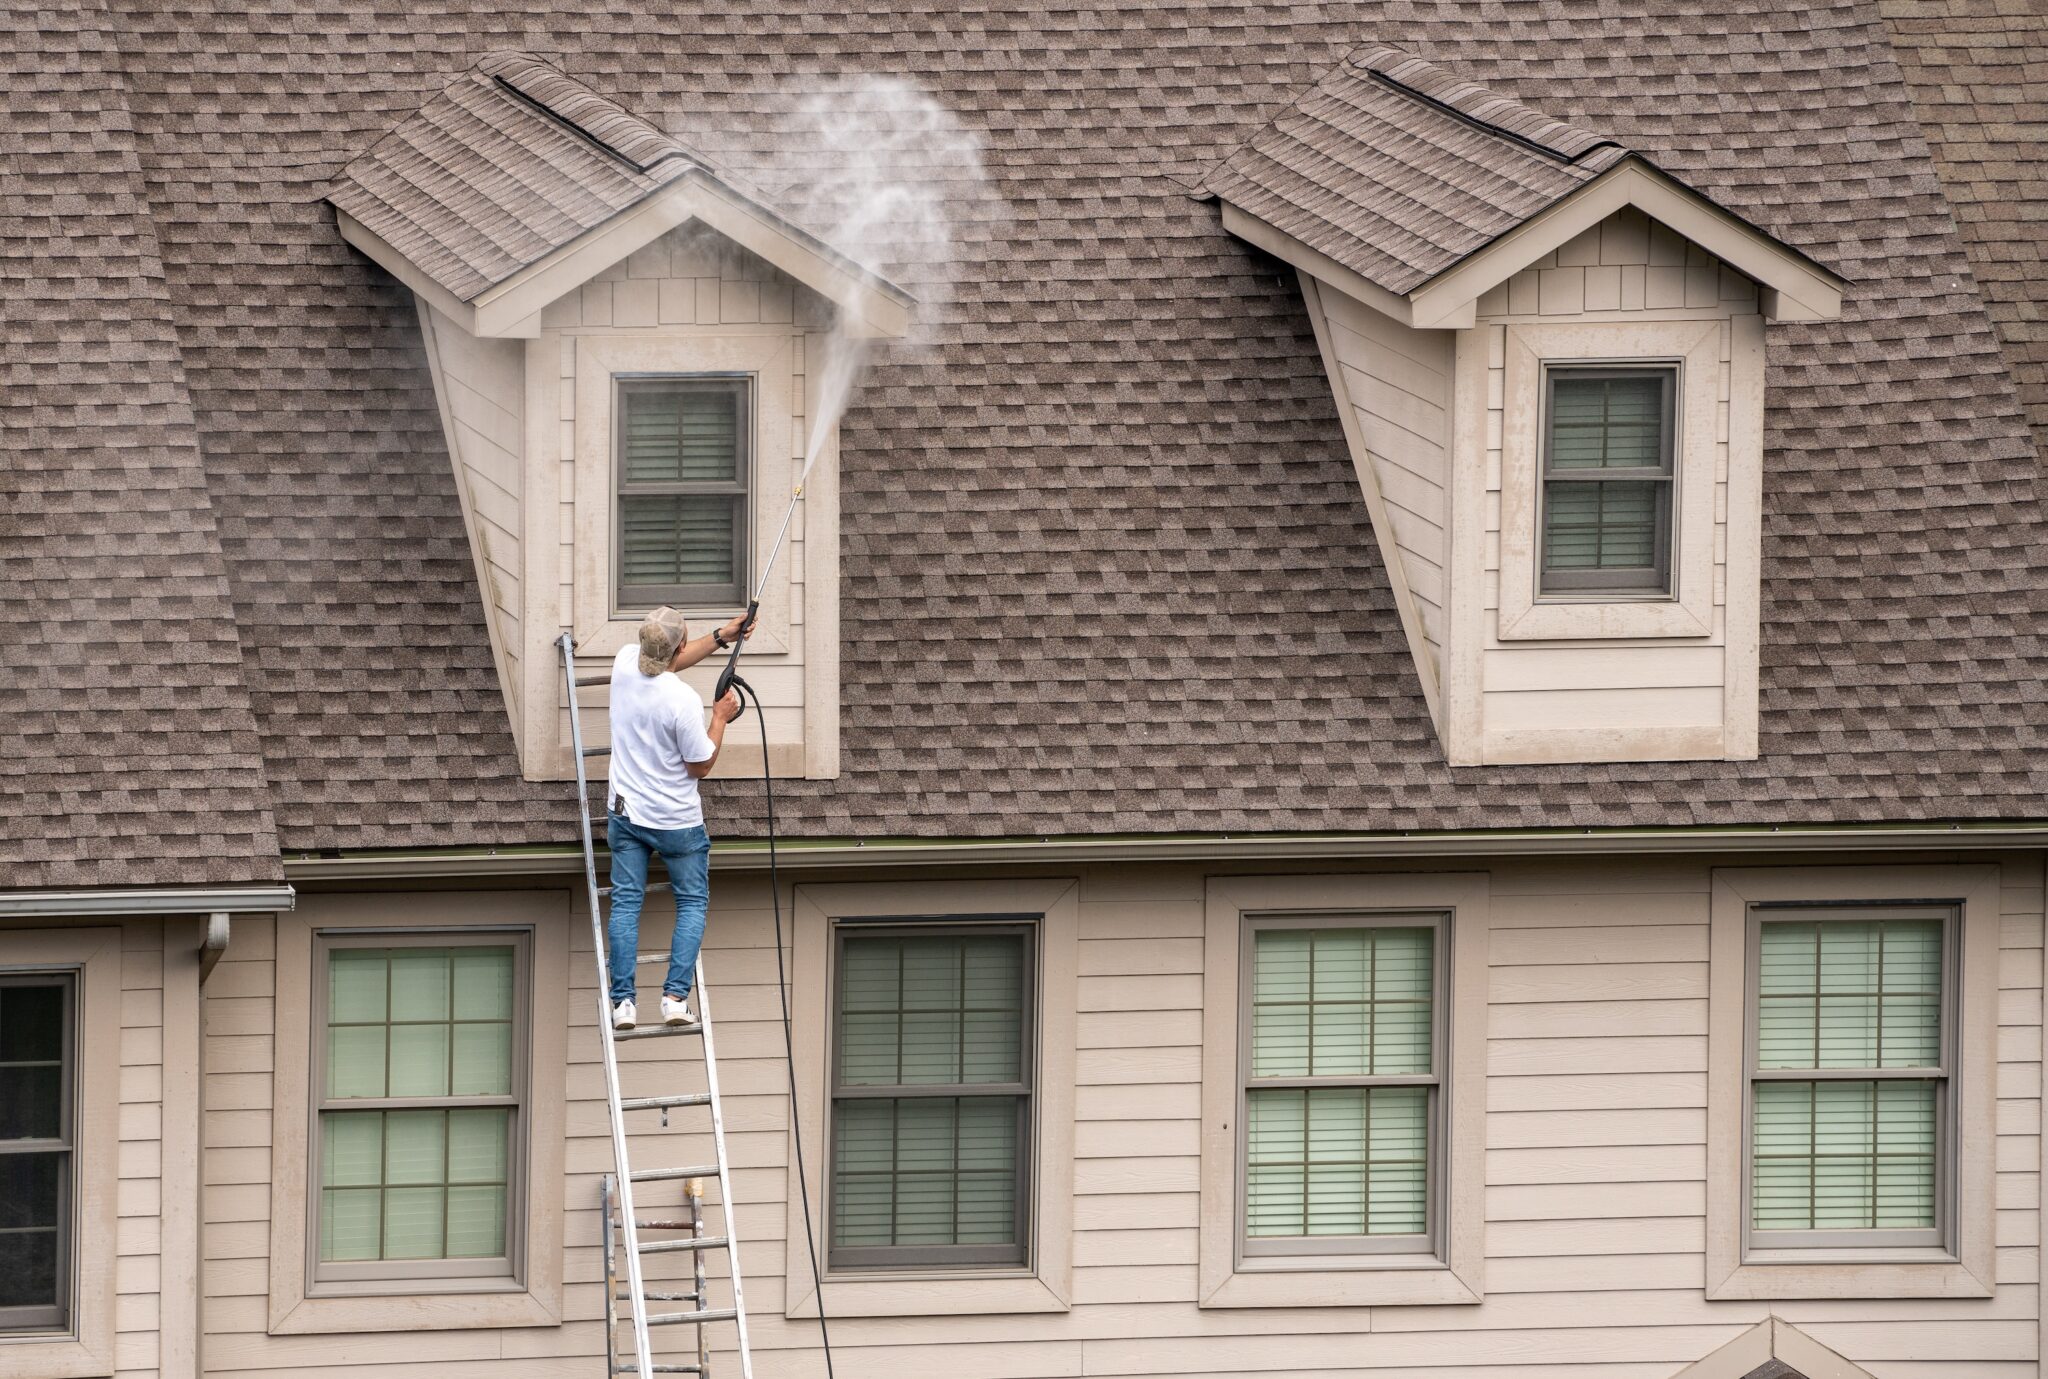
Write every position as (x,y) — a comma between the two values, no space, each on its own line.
(657,727)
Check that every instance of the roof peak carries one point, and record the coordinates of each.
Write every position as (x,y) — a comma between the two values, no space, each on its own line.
(599,120)
(1469,101)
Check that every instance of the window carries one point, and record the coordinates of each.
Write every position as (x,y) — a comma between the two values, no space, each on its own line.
(419,1107)
(37,1162)
(1341,1100)
(1608,477)
(931,1100)
(1849,1102)
(682,473)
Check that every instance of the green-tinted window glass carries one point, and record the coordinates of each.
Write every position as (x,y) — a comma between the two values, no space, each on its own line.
(1342,1002)
(1607,479)
(424,1182)
(1844,1155)
(931,1107)
(1849,994)
(1337,1161)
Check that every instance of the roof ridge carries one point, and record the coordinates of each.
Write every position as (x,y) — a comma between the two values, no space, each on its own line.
(599,120)
(1502,116)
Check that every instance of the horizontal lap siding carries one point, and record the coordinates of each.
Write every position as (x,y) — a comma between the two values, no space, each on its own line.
(139,1264)
(1595,1166)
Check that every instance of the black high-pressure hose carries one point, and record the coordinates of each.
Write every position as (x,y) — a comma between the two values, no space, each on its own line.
(729,679)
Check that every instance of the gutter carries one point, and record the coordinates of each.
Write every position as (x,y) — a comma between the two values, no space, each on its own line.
(751,855)
(169,901)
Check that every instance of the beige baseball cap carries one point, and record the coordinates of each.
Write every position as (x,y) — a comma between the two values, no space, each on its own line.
(661,634)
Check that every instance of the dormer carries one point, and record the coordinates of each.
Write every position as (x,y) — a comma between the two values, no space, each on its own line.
(1548,358)
(625,344)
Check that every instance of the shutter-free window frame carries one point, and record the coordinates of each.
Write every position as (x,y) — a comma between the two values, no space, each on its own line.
(719,596)
(496,1272)
(1760,1244)
(1654,581)
(1428,1244)
(56,1317)
(852,1259)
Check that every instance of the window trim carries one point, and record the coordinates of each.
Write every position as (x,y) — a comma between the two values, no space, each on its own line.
(341,1278)
(295,1308)
(857,1260)
(1758,1244)
(1696,348)
(84,1347)
(24,1319)
(1966,1266)
(1430,1242)
(1555,584)
(626,596)
(1454,1270)
(1046,1283)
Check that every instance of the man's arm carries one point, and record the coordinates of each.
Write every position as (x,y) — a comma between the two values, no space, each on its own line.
(697,648)
(722,713)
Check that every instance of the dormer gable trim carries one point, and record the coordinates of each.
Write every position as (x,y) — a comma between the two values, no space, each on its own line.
(517,184)
(1778,1349)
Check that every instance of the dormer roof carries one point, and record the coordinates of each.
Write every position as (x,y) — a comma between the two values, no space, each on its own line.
(518,183)
(1391,176)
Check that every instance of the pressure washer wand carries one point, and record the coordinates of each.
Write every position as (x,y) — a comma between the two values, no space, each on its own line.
(731,674)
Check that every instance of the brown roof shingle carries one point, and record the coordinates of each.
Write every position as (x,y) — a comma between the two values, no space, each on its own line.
(131,754)
(1105,564)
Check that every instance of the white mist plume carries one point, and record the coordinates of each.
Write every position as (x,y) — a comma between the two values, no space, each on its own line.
(891,160)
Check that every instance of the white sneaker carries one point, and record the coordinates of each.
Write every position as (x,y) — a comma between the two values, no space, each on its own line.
(623,1015)
(675,1010)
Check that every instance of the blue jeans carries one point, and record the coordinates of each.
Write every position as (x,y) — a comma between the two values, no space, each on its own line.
(687,854)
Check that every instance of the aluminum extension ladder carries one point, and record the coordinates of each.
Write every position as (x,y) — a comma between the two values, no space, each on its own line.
(628,1349)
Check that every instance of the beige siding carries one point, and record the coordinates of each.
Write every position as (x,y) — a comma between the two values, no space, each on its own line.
(483,396)
(1397,382)
(1651,696)
(691,285)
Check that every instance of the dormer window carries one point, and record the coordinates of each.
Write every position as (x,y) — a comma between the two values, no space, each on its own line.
(682,475)
(1608,481)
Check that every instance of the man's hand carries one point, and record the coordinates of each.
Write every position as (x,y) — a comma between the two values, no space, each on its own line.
(726,709)
(736,630)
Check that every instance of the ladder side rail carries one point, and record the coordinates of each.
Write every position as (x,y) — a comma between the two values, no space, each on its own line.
(635,1286)
(725,1197)
(699,1280)
(611,1278)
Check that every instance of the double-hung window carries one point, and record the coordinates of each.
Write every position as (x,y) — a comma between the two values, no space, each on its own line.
(933,1076)
(38,1161)
(1342,1101)
(1608,477)
(682,478)
(420,1093)
(1851,1063)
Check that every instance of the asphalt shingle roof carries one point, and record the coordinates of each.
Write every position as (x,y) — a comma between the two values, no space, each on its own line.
(1105,565)
(131,754)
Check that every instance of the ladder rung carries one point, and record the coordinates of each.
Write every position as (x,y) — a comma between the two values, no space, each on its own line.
(714,1314)
(656,1224)
(662,1175)
(592,681)
(662,1103)
(655,1031)
(597,751)
(662,1297)
(706,1242)
(651,959)
(657,1369)
(651,887)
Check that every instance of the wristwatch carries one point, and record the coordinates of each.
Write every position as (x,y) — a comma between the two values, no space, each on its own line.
(719,637)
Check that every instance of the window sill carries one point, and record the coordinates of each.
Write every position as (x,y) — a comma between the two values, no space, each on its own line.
(1807,1275)
(926,1295)
(45,1356)
(1323,1281)
(1570,618)
(414,1311)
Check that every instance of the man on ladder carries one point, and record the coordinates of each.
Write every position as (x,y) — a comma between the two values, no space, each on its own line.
(660,749)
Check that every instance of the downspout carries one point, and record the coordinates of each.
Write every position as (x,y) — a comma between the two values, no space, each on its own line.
(214,946)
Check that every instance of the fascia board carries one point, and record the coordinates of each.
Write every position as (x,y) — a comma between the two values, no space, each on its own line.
(197,900)
(503,309)
(1798,288)
(400,267)
(1285,247)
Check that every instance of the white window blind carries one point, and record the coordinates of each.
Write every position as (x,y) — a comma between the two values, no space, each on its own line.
(931,1108)
(682,490)
(1341,1103)
(1608,477)
(1849,1078)
(421,1090)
